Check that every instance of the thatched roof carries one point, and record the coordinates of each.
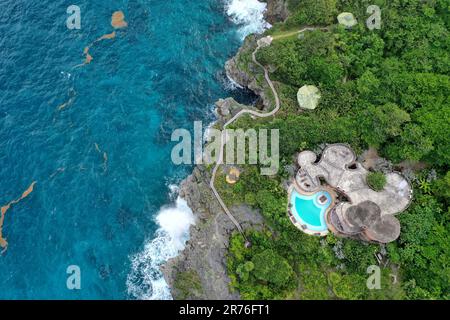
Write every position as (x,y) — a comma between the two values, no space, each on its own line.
(366,217)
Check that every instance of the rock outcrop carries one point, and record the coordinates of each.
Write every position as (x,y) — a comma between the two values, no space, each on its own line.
(244,72)
(228,108)
(276,11)
(205,252)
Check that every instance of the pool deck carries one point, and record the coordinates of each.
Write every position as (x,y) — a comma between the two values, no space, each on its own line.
(304,227)
(366,214)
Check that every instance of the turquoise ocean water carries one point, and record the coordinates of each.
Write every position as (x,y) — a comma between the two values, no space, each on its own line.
(104,198)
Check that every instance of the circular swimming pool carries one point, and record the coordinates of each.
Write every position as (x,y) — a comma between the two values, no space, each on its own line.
(309,210)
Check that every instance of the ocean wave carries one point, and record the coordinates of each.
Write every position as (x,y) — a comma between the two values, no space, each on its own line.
(145,281)
(230,84)
(248,15)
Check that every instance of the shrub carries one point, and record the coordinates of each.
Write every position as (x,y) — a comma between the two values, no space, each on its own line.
(187,285)
(272,268)
(376,180)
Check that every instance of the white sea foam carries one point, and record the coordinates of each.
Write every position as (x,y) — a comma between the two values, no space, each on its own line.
(248,15)
(230,84)
(145,281)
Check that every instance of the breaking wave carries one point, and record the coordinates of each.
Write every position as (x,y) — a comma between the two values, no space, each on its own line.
(145,281)
(248,15)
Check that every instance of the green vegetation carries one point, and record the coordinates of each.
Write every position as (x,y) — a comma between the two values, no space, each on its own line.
(424,249)
(187,284)
(272,268)
(387,89)
(376,180)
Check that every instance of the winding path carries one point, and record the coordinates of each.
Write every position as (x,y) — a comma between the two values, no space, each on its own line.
(292,33)
(237,116)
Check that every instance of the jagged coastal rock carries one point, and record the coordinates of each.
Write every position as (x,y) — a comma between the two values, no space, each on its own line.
(228,108)
(205,252)
(203,260)
(204,257)
(308,97)
(242,70)
(238,70)
(276,11)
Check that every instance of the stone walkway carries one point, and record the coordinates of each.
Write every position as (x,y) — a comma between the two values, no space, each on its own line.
(261,43)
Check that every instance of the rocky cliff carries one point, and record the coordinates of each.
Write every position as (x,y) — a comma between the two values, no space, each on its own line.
(242,70)
(205,252)
(277,10)
(203,261)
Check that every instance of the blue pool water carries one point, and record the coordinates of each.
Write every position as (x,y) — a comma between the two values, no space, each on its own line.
(102,162)
(310,210)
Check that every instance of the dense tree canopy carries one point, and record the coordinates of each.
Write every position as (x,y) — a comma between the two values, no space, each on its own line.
(387,89)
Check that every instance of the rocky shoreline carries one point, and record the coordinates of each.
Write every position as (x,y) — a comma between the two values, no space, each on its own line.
(277,10)
(243,71)
(203,261)
(205,253)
